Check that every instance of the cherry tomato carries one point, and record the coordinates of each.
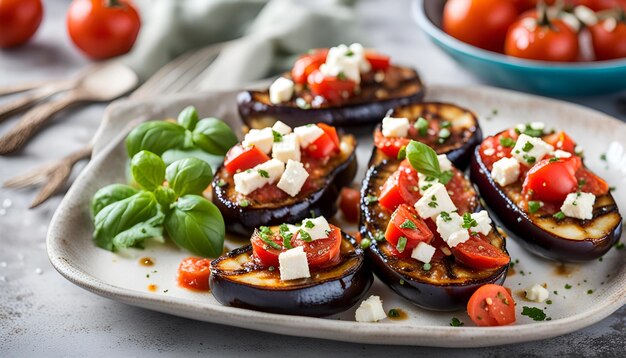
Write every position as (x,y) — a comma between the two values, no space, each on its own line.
(389,145)
(103,28)
(608,45)
(408,183)
(331,88)
(598,5)
(326,144)
(379,62)
(263,253)
(308,63)
(491,305)
(560,140)
(321,252)
(554,41)
(591,183)
(552,179)
(406,223)
(499,150)
(349,204)
(478,253)
(19,20)
(482,23)
(194,272)
(239,158)
(390,197)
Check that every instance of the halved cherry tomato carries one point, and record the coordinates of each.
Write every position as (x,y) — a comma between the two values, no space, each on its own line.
(591,183)
(608,45)
(408,183)
(329,87)
(499,151)
(349,204)
(406,223)
(491,305)
(390,197)
(552,179)
(306,64)
(264,254)
(479,254)
(379,62)
(194,272)
(326,144)
(560,140)
(321,252)
(239,158)
(389,145)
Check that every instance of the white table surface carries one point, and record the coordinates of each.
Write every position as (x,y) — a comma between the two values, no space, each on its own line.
(42,314)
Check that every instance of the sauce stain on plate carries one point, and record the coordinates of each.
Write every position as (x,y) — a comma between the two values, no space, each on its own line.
(146,261)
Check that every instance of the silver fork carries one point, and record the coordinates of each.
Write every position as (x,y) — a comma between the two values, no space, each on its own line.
(179,75)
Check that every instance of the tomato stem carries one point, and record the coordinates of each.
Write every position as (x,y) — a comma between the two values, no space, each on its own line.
(542,16)
(113,3)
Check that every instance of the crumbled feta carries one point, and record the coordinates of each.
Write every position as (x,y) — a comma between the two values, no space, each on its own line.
(423,252)
(293,264)
(308,134)
(458,237)
(444,162)
(370,310)
(287,149)
(530,150)
(538,126)
(579,205)
(252,179)
(359,52)
(293,178)
(281,90)
(281,128)
(448,224)
(484,222)
(537,293)
(562,154)
(342,60)
(261,138)
(505,171)
(435,200)
(395,127)
(317,227)
(274,169)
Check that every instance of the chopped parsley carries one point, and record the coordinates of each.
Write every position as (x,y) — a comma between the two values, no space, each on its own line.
(341,76)
(379,237)
(422,126)
(433,204)
(408,224)
(427,266)
(263,173)
(535,313)
(221,183)
(559,215)
(529,159)
(446,124)
(265,233)
(370,199)
(527,147)
(603,157)
(393,313)
(445,216)
(534,206)
(507,142)
(444,133)
(286,234)
(309,224)
(305,236)
(455,322)
(243,203)
(401,244)
(552,160)
(277,136)
(619,246)
(568,286)
(589,292)
(365,243)
(468,221)
(549,302)
(528,130)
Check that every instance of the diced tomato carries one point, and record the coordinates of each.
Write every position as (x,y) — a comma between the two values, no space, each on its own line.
(326,145)
(499,151)
(552,179)
(332,133)
(306,64)
(561,140)
(389,145)
(491,305)
(349,204)
(264,254)
(329,87)
(378,61)
(321,252)
(406,223)
(194,272)
(239,158)
(390,197)
(408,183)
(591,183)
(479,254)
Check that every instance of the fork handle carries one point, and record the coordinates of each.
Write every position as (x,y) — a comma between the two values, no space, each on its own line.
(25,86)
(33,121)
(11,107)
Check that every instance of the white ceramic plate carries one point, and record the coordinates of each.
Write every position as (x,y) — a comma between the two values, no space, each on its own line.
(122,278)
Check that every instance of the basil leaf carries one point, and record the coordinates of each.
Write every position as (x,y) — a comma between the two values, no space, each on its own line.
(173,155)
(136,235)
(165,197)
(122,215)
(214,136)
(423,158)
(196,224)
(108,195)
(189,176)
(147,169)
(188,118)
(156,137)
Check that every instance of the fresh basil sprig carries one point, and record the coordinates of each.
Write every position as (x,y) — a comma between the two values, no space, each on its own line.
(155,137)
(110,194)
(189,176)
(213,136)
(424,159)
(148,170)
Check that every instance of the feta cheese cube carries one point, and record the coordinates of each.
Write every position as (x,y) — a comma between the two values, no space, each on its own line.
(395,127)
(293,264)
(537,293)
(530,150)
(274,168)
(317,227)
(308,134)
(448,224)
(261,138)
(281,90)
(293,178)
(562,154)
(538,126)
(281,128)
(287,149)
(444,162)
(423,252)
(248,181)
(370,310)
(424,182)
(341,59)
(458,237)
(505,171)
(434,201)
(484,222)
(579,205)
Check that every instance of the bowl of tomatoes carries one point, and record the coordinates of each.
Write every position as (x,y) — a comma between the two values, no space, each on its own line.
(559,48)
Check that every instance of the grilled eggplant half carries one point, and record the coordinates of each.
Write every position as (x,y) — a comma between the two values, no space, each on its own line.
(447,285)
(237,280)
(397,87)
(317,198)
(448,129)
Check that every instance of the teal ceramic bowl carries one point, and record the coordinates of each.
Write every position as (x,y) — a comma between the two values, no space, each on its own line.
(548,78)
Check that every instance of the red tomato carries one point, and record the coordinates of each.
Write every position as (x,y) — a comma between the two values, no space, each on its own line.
(408,183)
(378,61)
(194,272)
(482,23)
(326,144)
(263,253)
(349,204)
(268,193)
(406,223)
(103,29)
(331,88)
(239,158)
(499,151)
(19,20)
(306,64)
(608,45)
(390,197)
(561,140)
(321,252)
(556,42)
(591,183)
(478,253)
(550,180)
(491,305)
(389,145)
(598,5)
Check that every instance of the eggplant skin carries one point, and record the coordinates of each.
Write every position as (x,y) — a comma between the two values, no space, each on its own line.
(257,112)
(327,292)
(537,240)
